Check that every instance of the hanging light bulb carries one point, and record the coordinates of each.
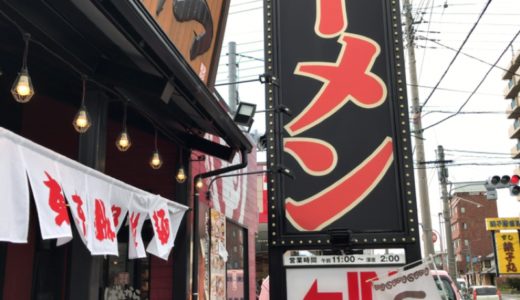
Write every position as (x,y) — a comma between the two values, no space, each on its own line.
(181,175)
(156,161)
(123,141)
(22,89)
(199,183)
(82,119)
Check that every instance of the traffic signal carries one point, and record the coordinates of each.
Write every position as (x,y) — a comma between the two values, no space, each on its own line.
(498,182)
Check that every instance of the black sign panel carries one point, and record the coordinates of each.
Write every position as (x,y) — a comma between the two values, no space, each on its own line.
(338,66)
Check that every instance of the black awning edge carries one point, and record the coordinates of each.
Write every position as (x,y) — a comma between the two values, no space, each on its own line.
(157,46)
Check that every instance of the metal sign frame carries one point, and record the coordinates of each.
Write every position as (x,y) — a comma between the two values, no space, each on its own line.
(384,214)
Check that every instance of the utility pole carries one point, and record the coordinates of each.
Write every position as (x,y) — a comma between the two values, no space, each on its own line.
(424,199)
(232,74)
(443,180)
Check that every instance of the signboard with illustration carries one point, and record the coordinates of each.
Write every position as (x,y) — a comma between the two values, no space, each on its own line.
(196,28)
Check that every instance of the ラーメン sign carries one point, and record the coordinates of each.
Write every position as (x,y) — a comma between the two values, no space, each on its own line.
(338,65)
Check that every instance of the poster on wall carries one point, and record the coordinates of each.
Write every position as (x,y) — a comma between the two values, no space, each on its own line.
(218,255)
(347,141)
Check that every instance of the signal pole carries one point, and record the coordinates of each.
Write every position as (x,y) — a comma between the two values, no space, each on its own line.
(424,199)
(443,180)
(233,78)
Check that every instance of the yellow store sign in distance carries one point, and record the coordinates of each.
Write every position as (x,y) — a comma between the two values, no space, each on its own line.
(495,224)
(507,252)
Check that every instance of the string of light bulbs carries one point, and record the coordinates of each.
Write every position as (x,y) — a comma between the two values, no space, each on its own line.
(23,91)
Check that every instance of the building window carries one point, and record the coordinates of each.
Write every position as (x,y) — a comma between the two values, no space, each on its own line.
(456,243)
(465,226)
(462,210)
(453,228)
(466,243)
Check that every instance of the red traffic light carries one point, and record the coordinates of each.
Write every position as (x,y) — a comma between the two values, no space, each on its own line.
(515,179)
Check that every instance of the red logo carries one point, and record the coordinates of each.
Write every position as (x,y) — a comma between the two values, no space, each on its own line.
(162,225)
(57,201)
(81,213)
(116,212)
(102,223)
(134,220)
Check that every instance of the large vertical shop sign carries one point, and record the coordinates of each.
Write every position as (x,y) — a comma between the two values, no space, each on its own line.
(338,66)
(507,249)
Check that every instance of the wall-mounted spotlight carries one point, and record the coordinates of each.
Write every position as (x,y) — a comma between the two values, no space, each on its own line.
(244,115)
(82,119)
(23,89)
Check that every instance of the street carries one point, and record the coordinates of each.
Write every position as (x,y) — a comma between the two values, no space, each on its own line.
(510,297)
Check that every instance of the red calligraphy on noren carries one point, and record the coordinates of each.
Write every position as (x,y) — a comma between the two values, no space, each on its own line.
(57,201)
(134,220)
(348,79)
(331,18)
(116,212)
(162,225)
(81,214)
(320,210)
(102,223)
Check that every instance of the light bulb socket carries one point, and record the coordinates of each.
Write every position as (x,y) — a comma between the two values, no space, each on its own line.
(22,89)
(123,141)
(156,161)
(82,120)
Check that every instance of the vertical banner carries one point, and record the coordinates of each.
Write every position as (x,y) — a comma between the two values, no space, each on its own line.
(48,195)
(137,213)
(507,252)
(162,241)
(120,200)
(102,236)
(347,142)
(14,215)
(75,190)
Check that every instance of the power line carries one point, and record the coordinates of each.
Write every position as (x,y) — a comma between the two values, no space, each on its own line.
(470,56)
(456,54)
(245,10)
(478,85)
(453,90)
(476,152)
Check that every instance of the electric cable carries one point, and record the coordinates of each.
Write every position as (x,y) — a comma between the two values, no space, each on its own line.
(456,54)
(476,88)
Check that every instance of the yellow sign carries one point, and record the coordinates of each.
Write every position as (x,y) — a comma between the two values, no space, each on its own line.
(502,224)
(507,252)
